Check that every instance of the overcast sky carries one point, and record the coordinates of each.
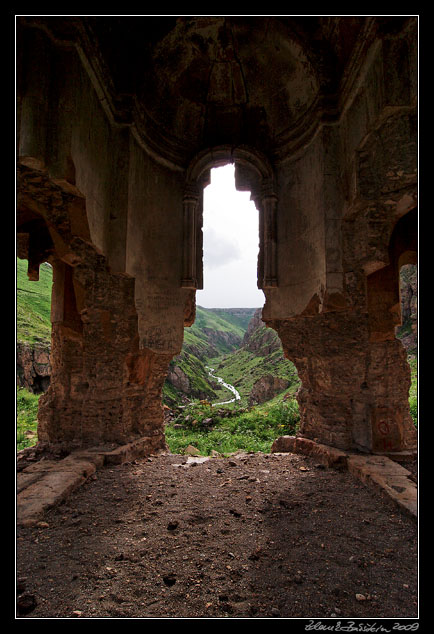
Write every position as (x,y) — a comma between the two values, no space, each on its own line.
(230,245)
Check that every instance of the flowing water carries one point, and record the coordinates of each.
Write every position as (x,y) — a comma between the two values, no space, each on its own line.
(226,385)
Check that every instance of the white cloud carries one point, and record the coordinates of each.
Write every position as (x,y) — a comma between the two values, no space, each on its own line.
(231,244)
(219,249)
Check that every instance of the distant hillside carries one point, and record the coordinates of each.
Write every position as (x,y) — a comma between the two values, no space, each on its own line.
(215,332)
(236,316)
(258,369)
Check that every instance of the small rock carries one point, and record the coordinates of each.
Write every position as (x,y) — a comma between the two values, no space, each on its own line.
(172,525)
(254,556)
(192,451)
(360,597)
(275,612)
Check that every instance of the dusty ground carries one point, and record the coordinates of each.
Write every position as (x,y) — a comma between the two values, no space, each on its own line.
(252,536)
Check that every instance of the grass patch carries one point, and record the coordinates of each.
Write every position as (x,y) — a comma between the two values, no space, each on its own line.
(412,360)
(232,428)
(34,304)
(27,418)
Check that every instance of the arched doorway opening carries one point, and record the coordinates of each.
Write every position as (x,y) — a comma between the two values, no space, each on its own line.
(253,368)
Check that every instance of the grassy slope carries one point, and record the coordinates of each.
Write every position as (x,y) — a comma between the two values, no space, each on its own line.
(34,304)
(246,430)
(199,346)
(245,366)
(208,318)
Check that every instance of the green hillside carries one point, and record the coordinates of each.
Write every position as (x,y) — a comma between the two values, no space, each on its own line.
(209,318)
(33,304)
(261,354)
(237,316)
(211,336)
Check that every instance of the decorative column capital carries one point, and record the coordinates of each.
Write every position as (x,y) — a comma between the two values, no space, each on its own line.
(191,193)
(268,189)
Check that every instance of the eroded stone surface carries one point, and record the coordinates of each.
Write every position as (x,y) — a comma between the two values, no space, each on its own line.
(33,366)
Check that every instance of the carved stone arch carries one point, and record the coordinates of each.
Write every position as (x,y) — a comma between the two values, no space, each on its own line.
(253,172)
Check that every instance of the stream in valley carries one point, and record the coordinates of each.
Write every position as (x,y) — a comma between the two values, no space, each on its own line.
(229,387)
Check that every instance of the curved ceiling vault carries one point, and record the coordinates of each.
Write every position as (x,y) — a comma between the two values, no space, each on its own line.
(191,83)
(199,82)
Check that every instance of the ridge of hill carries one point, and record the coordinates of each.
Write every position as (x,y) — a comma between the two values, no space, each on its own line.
(236,316)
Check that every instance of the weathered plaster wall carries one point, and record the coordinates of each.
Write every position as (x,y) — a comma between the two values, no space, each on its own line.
(362,182)
(154,251)
(301,229)
(62,124)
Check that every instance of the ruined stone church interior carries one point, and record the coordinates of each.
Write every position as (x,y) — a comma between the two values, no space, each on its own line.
(119,121)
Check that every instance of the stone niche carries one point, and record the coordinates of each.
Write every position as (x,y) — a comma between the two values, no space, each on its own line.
(319,116)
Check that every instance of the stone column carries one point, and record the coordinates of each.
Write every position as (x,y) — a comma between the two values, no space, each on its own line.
(189,265)
(104,388)
(354,391)
(268,234)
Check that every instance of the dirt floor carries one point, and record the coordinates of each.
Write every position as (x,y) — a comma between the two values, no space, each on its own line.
(251,536)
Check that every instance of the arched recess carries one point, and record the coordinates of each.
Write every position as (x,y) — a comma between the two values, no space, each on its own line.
(384,304)
(253,173)
(392,428)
